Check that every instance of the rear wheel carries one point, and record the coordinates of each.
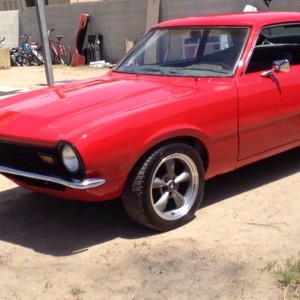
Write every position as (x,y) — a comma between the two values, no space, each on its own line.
(166,188)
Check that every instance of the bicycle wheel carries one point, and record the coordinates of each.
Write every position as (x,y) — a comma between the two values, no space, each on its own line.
(65,54)
(53,56)
(23,61)
(35,60)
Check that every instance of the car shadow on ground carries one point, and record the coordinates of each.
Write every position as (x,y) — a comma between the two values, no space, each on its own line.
(10,93)
(61,227)
(252,176)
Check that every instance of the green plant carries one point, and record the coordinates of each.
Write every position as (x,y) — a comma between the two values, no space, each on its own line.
(270,266)
(288,274)
(76,291)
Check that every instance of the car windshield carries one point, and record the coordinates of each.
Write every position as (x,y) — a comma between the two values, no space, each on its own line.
(193,51)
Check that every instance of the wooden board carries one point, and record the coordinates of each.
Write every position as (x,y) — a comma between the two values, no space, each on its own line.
(152,13)
(4,58)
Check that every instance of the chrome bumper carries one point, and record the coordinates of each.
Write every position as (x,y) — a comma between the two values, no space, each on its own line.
(77,185)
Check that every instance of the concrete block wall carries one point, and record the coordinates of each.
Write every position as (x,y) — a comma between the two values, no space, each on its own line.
(176,8)
(9,28)
(117,19)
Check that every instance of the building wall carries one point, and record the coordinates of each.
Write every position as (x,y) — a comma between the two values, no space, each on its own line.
(117,19)
(56,2)
(10,4)
(22,4)
(9,28)
(78,1)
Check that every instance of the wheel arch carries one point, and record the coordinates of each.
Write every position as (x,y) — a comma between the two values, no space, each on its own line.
(198,145)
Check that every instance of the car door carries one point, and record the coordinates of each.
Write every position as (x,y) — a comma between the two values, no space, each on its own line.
(269,107)
(269,111)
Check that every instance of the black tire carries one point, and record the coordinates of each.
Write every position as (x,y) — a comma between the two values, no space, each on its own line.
(65,54)
(166,187)
(13,61)
(36,61)
(23,61)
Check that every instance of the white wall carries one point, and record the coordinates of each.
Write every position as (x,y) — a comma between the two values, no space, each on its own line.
(9,28)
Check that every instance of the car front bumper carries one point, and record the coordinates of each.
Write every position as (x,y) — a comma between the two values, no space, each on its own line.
(77,185)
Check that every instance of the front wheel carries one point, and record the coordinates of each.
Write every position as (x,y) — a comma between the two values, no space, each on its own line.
(166,188)
(65,54)
(22,60)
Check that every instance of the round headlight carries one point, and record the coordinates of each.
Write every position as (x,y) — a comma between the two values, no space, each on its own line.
(69,159)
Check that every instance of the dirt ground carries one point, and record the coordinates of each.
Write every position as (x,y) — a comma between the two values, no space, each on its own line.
(56,249)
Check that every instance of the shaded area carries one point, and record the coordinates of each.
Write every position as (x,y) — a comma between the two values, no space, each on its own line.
(11,92)
(252,176)
(62,227)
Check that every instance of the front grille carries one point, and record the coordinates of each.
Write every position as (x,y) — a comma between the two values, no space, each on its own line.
(27,158)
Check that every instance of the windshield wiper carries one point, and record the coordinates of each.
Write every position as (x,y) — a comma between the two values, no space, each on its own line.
(151,69)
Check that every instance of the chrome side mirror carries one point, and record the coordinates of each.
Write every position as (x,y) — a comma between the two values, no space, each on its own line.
(282,65)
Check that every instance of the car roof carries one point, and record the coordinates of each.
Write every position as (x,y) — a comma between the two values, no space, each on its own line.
(252,19)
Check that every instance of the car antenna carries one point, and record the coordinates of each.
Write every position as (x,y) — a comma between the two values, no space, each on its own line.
(267,3)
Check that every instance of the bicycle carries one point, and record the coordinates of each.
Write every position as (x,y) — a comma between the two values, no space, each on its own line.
(29,52)
(60,53)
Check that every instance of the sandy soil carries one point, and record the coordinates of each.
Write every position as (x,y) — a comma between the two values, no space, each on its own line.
(34,77)
(55,249)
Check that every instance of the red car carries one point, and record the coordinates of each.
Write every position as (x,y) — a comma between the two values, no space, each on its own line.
(195,98)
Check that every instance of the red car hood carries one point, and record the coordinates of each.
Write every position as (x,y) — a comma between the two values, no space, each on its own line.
(69,111)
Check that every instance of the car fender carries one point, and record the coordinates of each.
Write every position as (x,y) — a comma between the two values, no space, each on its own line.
(213,147)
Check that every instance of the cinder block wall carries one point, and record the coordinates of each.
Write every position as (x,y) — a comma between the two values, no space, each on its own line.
(9,28)
(117,19)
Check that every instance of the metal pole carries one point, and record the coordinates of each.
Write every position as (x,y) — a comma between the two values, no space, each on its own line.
(40,11)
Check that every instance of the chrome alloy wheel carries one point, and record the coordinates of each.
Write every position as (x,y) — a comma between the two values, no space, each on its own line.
(166,187)
(174,186)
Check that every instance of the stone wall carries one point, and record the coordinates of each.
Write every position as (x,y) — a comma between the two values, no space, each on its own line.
(117,19)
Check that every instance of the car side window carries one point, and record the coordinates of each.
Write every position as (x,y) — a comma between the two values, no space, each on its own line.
(224,46)
(275,43)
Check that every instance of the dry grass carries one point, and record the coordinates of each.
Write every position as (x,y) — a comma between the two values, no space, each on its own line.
(287,273)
